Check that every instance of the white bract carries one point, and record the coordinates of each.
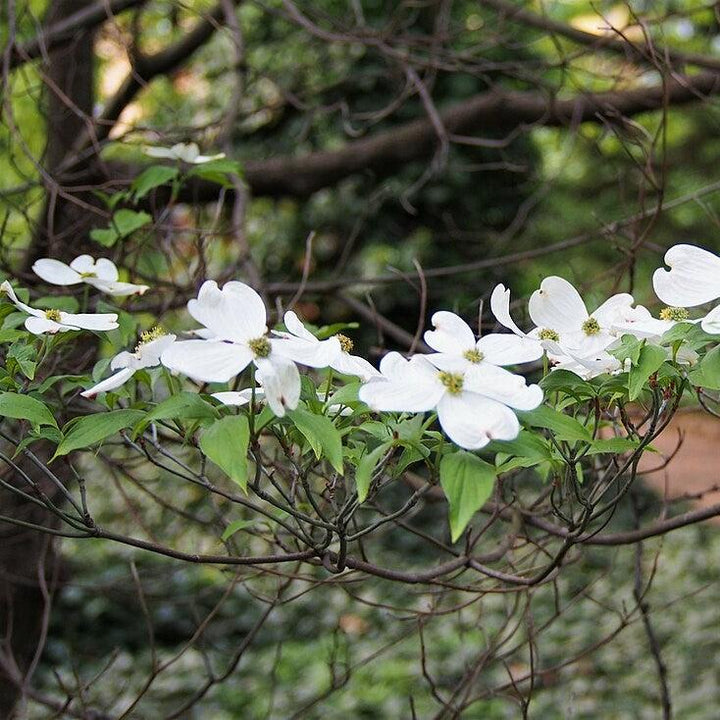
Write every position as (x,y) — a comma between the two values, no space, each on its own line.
(558,303)
(640,323)
(100,274)
(563,323)
(454,342)
(238,398)
(147,354)
(473,407)
(693,279)
(300,345)
(54,321)
(185,152)
(235,334)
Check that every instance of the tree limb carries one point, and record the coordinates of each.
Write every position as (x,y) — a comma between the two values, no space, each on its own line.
(65,30)
(644,52)
(146,68)
(488,112)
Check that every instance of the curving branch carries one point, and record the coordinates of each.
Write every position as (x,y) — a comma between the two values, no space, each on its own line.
(489,112)
(646,52)
(66,30)
(147,67)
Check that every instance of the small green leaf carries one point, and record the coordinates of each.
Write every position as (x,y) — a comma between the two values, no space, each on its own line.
(677,332)
(235,527)
(345,395)
(562,426)
(628,348)
(322,435)
(649,361)
(615,446)
(567,382)
(183,406)
(225,443)
(124,222)
(366,468)
(24,358)
(92,429)
(707,374)
(151,178)
(24,407)
(467,482)
(327,331)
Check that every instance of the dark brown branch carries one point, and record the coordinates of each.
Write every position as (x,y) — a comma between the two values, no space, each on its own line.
(631,536)
(489,112)
(640,51)
(64,31)
(146,68)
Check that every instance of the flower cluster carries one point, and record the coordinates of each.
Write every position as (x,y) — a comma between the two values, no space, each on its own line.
(464,380)
(583,342)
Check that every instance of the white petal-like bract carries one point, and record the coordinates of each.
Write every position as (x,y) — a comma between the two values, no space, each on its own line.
(693,278)
(207,360)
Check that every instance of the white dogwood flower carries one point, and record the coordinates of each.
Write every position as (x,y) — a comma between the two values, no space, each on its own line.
(454,341)
(563,323)
(147,354)
(100,274)
(640,323)
(235,331)
(693,279)
(472,408)
(54,321)
(300,345)
(185,152)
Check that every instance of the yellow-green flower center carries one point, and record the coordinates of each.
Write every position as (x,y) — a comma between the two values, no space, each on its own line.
(87,274)
(473,356)
(591,326)
(452,381)
(53,315)
(260,346)
(548,334)
(676,314)
(346,344)
(149,335)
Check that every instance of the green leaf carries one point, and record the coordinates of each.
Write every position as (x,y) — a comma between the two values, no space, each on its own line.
(467,482)
(567,382)
(124,222)
(615,445)
(24,357)
(346,395)
(649,361)
(225,443)
(327,331)
(562,426)
(322,435)
(677,332)
(11,335)
(528,449)
(24,407)
(235,527)
(628,348)
(92,429)
(707,374)
(366,468)
(44,433)
(183,406)
(153,177)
